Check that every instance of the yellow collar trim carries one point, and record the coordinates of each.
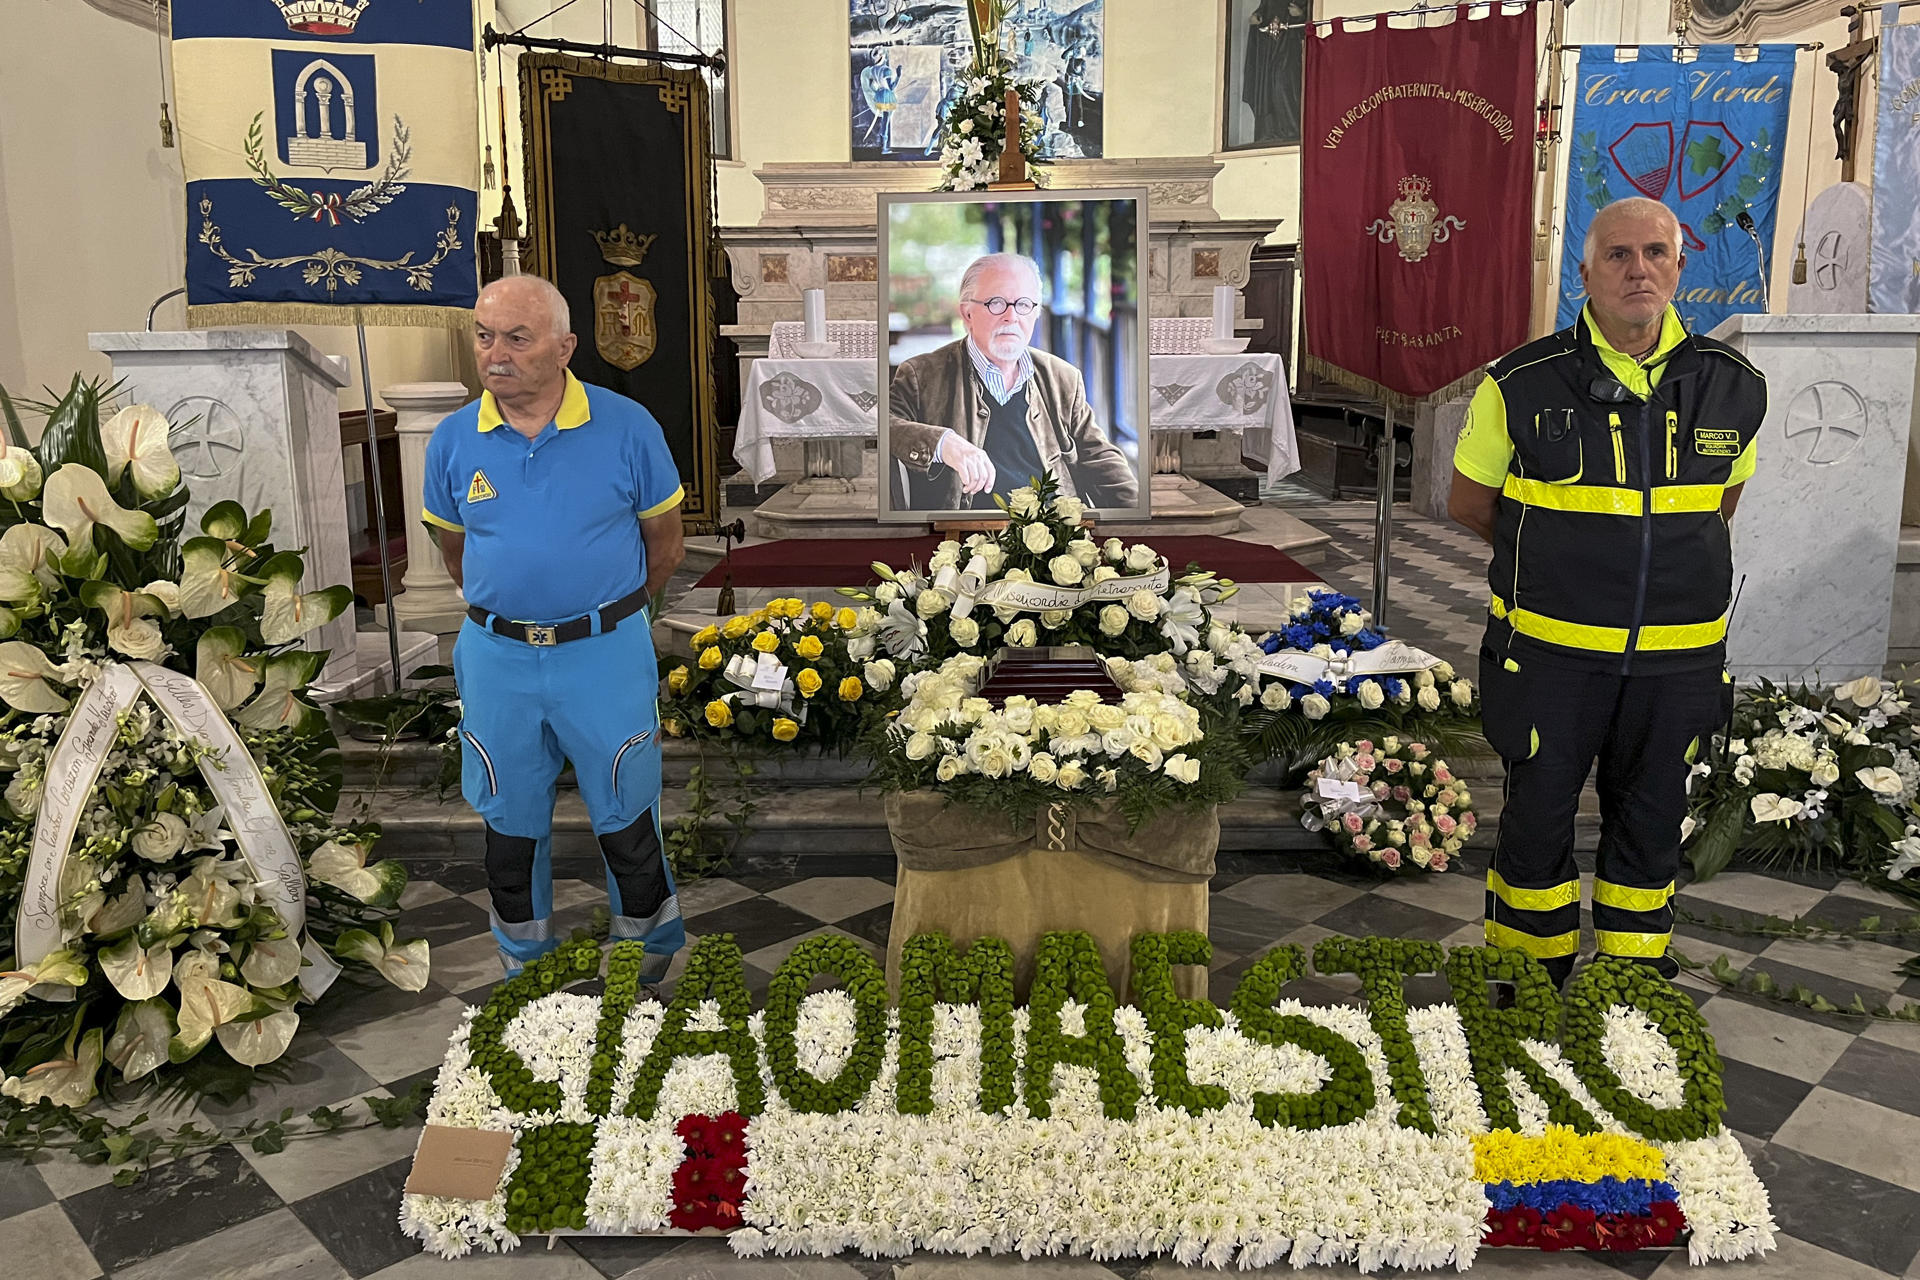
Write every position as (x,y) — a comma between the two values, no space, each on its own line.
(574,409)
(1672,333)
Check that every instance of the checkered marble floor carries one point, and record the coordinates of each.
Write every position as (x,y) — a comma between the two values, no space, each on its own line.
(1829,1109)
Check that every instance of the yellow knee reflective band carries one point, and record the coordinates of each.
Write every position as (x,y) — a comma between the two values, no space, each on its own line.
(1561,944)
(1614,895)
(1593,499)
(1615,943)
(1533,899)
(1676,499)
(1580,635)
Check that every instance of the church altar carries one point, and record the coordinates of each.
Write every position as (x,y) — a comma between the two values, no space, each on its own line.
(835,399)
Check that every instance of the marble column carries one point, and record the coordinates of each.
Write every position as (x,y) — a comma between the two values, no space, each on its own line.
(256,418)
(1818,529)
(428,599)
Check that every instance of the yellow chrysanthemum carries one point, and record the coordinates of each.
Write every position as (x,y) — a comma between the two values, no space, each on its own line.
(1561,1154)
(710,658)
(766,642)
(851,689)
(785,730)
(846,619)
(705,636)
(822,611)
(809,647)
(719,714)
(808,682)
(677,679)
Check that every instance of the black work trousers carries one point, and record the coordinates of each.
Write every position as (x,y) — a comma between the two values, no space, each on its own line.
(1549,723)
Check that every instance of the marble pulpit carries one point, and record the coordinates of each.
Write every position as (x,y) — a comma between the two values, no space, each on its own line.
(1818,528)
(256,418)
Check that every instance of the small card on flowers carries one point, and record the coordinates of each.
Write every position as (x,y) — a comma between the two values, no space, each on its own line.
(462,1164)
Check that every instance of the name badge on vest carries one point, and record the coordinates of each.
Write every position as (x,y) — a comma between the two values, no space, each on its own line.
(1716,444)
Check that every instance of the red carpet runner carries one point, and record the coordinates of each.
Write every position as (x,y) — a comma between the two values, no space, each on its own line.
(843,562)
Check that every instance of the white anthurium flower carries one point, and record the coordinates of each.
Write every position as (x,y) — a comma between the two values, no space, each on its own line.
(406,966)
(160,838)
(123,912)
(1864,692)
(271,962)
(343,864)
(76,499)
(222,665)
(136,972)
(286,613)
(136,437)
(62,968)
(212,892)
(1879,779)
(278,704)
(1768,807)
(207,583)
(66,1082)
(20,473)
(24,676)
(140,1037)
(206,1002)
(1687,828)
(27,556)
(259,1040)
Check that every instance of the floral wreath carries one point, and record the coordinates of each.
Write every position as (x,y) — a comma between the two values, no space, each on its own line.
(1395,804)
(358,204)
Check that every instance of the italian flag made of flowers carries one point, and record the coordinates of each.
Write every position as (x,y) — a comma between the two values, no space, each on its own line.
(957,1120)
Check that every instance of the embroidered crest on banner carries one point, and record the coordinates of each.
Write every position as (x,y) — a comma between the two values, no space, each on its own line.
(1414,222)
(481,489)
(624,331)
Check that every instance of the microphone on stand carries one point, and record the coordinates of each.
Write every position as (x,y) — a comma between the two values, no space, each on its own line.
(1744,220)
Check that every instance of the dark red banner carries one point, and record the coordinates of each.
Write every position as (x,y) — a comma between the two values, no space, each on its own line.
(1416,199)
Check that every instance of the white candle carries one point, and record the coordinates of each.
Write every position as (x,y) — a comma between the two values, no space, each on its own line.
(1223,308)
(815,301)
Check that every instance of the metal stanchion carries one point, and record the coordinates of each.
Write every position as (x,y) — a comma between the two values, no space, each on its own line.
(1383,524)
(379,509)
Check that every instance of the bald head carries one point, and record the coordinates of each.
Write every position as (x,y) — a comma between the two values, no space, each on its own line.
(522,340)
(1632,209)
(525,294)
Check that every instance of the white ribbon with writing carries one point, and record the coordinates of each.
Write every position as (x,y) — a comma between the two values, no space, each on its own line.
(1335,794)
(763,682)
(230,773)
(1393,657)
(1037,597)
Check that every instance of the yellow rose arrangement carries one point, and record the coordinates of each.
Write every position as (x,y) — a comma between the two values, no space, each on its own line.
(719,714)
(766,642)
(809,648)
(851,689)
(786,730)
(808,682)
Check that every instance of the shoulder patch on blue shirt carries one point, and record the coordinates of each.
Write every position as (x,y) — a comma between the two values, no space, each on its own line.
(481,489)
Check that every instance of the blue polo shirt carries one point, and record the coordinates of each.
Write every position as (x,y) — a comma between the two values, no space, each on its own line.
(552,524)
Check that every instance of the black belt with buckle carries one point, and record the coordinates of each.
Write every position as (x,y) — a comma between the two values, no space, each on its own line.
(579,628)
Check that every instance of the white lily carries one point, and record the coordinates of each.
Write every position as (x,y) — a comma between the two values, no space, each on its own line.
(1180,618)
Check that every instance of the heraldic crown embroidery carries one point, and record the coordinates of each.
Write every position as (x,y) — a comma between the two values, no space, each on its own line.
(622,247)
(322,17)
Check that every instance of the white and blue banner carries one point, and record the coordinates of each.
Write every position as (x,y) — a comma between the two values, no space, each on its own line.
(332,152)
(1894,285)
(1705,137)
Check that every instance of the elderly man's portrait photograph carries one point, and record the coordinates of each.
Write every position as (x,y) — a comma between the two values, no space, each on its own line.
(1015,345)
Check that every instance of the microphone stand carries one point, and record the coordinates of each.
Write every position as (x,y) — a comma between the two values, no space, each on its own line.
(1746,224)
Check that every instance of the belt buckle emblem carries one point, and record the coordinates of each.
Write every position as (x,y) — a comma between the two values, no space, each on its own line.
(541,636)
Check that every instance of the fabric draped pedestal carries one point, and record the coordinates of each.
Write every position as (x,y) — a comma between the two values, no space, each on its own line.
(970,873)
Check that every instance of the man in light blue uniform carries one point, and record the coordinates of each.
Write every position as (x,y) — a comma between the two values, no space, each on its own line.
(557,509)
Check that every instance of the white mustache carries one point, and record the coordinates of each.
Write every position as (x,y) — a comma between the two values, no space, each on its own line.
(499,370)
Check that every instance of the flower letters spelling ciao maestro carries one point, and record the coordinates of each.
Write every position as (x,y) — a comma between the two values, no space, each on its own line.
(957,1121)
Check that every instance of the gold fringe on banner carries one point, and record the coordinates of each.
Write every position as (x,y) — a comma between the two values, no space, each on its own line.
(1401,403)
(221,314)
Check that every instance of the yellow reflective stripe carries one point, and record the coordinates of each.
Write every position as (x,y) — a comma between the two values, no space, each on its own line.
(1591,499)
(1562,944)
(1578,635)
(1693,635)
(1619,450)
(1533,899)
(1675,499)
(1606,894)
(1615,943)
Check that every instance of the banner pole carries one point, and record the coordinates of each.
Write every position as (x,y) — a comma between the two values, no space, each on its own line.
(1383,522)
(379,508)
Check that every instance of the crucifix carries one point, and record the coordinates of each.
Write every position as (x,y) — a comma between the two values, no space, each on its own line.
(1849,64)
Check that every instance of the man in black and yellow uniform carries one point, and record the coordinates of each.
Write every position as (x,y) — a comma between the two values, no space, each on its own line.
(1603,463)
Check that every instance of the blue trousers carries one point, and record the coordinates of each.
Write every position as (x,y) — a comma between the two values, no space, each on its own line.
(525,711)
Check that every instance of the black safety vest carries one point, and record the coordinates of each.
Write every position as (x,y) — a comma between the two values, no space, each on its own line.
(1609,546)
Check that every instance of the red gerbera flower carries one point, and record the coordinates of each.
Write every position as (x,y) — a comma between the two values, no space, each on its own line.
(1664,1223)
(698,1133)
